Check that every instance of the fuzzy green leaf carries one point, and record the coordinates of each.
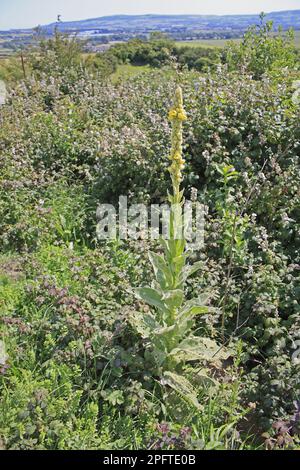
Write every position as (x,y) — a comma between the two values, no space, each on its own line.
(190,270)
(173,298)
(144,323)
(195,348)
(182,387)
(202,378)
(165,338)
(187,313)
(151,296)
(161,270)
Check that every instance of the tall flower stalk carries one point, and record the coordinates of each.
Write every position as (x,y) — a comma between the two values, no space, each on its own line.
(167,329)
(177,116)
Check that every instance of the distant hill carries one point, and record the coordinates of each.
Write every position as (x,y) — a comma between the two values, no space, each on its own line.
(144,23)
(100,32)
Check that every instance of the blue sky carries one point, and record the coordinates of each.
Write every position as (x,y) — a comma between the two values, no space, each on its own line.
(29,13)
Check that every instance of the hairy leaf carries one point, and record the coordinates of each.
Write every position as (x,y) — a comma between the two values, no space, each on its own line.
(173,298)
(161,270)
(182,387)
(196,348)
(152,297)
(144,323)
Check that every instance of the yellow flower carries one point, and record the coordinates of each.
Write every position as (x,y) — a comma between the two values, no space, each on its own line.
(172,114)
(177,113)
(182,116)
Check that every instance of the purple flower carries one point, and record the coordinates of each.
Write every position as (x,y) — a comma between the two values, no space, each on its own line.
(163,428)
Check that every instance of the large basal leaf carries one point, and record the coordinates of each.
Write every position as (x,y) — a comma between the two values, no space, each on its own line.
(195,348)
(161,337)
(202,378)
(164,330)
(182,387)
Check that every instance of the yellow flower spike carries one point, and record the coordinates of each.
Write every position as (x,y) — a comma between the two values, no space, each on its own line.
(177,116)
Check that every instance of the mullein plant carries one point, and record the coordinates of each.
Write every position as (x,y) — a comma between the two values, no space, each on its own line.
(167,329)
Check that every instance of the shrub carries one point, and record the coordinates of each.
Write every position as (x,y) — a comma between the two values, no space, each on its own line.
(261,51)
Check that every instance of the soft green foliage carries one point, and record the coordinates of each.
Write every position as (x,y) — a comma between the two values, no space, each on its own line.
(71,360)
(61,54)
(160,50)
(11,70)
(154,52)
(42,411)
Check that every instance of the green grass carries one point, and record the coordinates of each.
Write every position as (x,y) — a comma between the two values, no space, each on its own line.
(127,71)
(204,43)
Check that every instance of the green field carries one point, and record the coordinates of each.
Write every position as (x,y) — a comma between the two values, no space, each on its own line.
(223,42)
(127,71)
(205,43)
(4,53)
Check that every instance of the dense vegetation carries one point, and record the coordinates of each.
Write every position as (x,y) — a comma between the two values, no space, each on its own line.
(85,362)
(159,50)
(259,51)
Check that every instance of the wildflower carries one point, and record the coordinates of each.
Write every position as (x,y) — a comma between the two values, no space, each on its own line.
(185,432)
(172,114)
(163,428)
(177,115)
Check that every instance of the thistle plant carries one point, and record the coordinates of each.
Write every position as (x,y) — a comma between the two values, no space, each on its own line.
(168,328)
